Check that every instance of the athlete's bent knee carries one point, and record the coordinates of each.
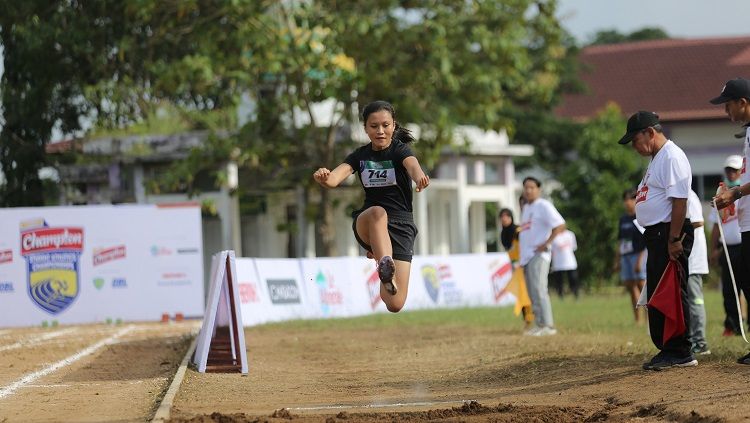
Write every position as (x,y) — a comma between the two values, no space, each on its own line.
(394,308)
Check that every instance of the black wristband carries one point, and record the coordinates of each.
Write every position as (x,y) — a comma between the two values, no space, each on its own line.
(675,239)
(736,194)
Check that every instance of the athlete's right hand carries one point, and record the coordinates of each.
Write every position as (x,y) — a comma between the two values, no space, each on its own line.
(321,175)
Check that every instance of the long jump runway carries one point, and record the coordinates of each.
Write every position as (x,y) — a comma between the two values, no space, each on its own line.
(89,373)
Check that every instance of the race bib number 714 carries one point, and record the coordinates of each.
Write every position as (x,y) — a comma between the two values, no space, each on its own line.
(378,174)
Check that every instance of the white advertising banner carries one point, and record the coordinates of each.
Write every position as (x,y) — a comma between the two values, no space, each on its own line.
(88,264)
(286,295)
(282,289)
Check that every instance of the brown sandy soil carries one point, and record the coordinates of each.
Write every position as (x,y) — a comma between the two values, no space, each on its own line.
(123,381)
(457,374)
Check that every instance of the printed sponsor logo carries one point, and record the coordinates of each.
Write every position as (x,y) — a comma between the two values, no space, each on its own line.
(248,292)
(158,251)
(330,294)
(283,291)
(173,279)
(53,264)
(187,251)
(98,283)
(6,256)
(431,281)
(438,281)
(105,255)
(499,280)
(119,283)
(642,194)
(51,239)
(6,287)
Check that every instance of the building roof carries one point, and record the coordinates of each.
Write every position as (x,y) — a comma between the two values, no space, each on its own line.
(674,78)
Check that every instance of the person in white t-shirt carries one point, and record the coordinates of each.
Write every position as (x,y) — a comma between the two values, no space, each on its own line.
(661,208)
(540,224)
(735,96)
(564,264)
(697,267)
(731,227)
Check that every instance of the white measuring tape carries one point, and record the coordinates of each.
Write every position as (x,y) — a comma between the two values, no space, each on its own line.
(729,265)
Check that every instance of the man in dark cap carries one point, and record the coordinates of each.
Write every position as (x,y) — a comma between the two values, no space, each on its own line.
(735,96)
(661,208)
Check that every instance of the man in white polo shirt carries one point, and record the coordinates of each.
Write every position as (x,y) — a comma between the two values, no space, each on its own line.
(733,240)
(540,224)
(661,208)
(736,99)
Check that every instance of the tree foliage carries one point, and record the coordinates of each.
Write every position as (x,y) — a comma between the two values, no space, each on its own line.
(612,36)
(110,61)
(592,180)
(442,64)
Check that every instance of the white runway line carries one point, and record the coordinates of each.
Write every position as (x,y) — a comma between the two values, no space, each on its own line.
(7,390)
(383,405)
(38,339)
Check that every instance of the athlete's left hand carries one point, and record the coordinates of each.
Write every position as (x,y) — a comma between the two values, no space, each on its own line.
(422,182)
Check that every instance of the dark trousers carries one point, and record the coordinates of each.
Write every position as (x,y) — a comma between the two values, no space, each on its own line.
(657,241)
(731,320)
(559,285)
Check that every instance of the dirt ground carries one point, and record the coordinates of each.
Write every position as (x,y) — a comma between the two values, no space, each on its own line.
(402,374)
(394,373)
(121,381)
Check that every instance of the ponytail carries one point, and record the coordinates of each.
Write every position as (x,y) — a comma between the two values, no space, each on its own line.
(402,134)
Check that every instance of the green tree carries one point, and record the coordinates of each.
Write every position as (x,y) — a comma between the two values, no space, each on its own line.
(592,179)
(612,36)
(113,62)
(441,64)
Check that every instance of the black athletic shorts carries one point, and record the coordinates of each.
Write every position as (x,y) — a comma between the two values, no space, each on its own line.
(402,231)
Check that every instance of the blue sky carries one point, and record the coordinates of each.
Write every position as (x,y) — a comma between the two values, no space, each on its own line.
(680,18)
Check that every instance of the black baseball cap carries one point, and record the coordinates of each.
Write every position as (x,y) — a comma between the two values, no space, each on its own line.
(638,122)
(733,89)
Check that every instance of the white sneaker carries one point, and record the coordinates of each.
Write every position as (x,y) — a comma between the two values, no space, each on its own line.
(532,331)
(546,331)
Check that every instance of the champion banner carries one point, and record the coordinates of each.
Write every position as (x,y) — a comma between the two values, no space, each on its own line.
(89,264)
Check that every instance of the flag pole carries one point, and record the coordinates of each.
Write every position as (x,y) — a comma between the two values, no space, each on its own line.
(729,263)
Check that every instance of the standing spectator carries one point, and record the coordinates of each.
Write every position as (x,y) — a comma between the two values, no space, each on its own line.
(540,224)
(736,99)
(697,267)
(733,238)
(509,243)
(661,208)
(564,264)
(630,256)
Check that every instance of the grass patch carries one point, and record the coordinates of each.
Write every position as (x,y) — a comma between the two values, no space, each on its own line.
(597,316)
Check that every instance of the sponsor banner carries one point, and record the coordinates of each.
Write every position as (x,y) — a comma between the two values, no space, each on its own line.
(282,289)
(92,263)
(329,286)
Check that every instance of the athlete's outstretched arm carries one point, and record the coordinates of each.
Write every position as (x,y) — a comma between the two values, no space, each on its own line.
(332,179)
(416,173)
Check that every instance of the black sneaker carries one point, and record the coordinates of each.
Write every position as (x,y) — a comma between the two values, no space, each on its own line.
(658,357)
(744,359)
(386,269)
(668,362)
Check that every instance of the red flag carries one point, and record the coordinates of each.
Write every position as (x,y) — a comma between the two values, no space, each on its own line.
(668,301)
